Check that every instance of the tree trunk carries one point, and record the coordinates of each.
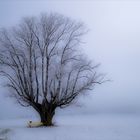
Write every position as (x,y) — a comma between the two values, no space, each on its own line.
(46,118)
(46,113)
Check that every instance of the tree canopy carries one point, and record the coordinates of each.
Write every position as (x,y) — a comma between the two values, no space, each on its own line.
(42,60)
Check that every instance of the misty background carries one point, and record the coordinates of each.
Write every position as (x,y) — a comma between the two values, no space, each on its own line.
(113,40)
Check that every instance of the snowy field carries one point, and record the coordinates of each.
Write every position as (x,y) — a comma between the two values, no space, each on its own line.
(75,127)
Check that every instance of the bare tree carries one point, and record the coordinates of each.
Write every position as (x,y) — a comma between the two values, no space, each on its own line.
(43,64)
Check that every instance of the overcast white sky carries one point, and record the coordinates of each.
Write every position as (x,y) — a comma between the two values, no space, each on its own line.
(113,40)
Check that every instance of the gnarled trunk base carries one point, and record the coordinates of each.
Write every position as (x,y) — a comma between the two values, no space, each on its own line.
(47,119)
(46,113)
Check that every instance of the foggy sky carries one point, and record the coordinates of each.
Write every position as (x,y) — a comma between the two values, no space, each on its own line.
(113,40)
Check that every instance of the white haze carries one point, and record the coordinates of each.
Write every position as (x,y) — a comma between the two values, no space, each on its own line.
(113,40)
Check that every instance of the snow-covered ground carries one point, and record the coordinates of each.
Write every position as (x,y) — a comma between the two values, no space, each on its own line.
(76,127)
